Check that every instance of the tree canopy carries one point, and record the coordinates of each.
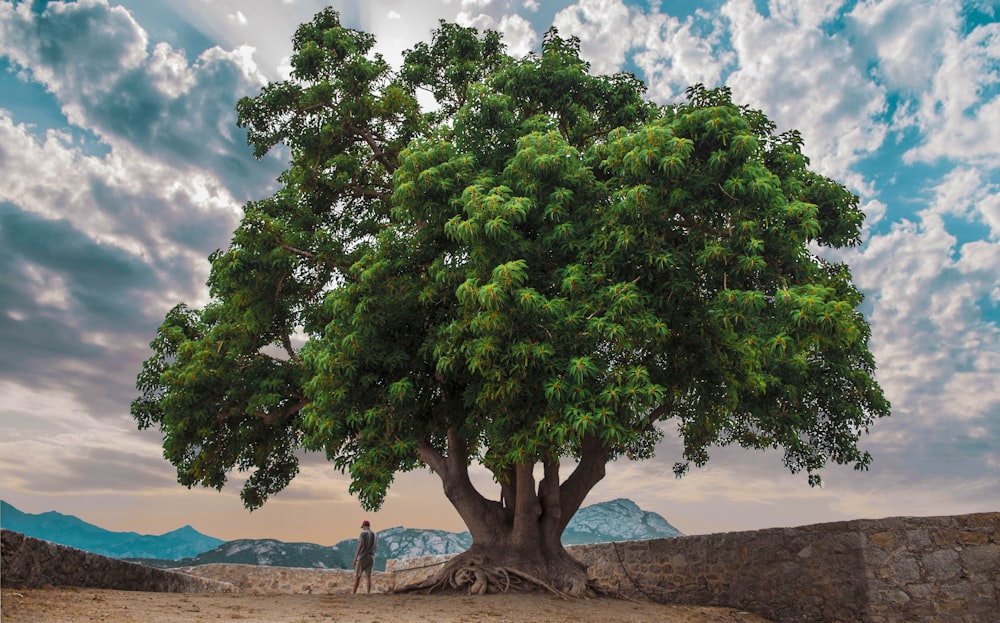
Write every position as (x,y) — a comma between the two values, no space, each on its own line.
(540,267)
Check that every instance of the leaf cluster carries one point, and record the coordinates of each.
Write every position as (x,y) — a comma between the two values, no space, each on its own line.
(541,260)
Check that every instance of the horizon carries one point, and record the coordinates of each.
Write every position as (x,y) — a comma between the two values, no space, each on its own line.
(377,530)
(124,169)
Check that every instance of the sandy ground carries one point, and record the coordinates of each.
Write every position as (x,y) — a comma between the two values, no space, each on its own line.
(63,605)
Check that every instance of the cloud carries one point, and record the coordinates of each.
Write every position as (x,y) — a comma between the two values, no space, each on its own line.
(896,98)
(938,357)
(95,247)
(787,63)
(96,60)
(943,67)
(517,32)
(70,449)
(605,31)
(806,78)
(674,54)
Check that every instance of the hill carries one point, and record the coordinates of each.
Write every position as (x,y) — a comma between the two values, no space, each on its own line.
(74,532)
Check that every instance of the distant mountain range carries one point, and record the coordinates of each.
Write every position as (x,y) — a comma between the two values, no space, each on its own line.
(69,530)
(617,520)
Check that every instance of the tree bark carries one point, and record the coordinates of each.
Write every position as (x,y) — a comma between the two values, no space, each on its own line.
(516,542)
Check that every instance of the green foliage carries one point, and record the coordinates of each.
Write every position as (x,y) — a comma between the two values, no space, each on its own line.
(542,259)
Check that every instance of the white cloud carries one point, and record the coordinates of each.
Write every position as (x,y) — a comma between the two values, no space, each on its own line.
(518,35)
(48,175)
(806,79)
(946,73)
(958,120)
(155,102)
(905,37)
(938,358)
(172,74)
(605,32)
(65,57)
(675,54)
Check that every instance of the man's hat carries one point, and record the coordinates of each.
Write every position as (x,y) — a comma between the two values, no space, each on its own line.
(365,524)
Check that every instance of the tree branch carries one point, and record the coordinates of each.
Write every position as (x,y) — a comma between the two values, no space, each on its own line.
(589,471)
(284,412)
(286,341)
(299,252)
(431,457)
(369,138)
(370,194)
(458,456)
(655,415)
(478,513)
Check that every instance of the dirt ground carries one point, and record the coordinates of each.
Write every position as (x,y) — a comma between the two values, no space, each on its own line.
(64,605)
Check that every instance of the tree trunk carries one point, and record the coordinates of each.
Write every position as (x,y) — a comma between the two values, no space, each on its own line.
(515,542)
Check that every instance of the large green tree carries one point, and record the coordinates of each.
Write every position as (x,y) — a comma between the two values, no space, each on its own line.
(515,263)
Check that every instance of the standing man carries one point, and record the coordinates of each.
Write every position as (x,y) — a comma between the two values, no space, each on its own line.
(364,559)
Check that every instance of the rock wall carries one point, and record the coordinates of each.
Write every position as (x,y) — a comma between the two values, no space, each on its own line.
(280,580)
(26,562)
(903,569)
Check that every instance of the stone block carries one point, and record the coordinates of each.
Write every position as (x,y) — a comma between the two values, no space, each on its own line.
(973,538)
(884,539)
(918,539)
(944,536)
(981,560)
(941,565)
(905,569)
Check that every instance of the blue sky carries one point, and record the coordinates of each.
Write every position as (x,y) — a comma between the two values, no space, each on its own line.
(121,169)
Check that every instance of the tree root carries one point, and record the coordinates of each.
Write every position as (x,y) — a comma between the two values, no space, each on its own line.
(477,576)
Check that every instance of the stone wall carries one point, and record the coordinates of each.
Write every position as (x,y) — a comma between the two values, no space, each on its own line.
(903,569)
(940,569)
(26,562)
(280,580)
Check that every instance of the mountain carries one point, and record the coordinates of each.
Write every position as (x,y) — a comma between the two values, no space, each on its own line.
(617,520)
(395,542)
(402,542)
(269,553)
(74,532)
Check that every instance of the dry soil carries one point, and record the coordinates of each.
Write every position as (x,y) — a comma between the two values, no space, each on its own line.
(63,605)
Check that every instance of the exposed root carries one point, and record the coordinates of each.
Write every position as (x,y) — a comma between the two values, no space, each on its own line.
(536,581)
(477,576)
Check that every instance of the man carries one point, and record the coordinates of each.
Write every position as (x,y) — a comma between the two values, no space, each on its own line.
(364,559)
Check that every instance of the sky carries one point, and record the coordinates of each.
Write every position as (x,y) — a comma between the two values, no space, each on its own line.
(122,169)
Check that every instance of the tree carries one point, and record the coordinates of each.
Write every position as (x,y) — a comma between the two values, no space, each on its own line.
(540,269)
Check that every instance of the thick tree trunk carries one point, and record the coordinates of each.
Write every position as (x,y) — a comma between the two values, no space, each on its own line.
(515,542)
